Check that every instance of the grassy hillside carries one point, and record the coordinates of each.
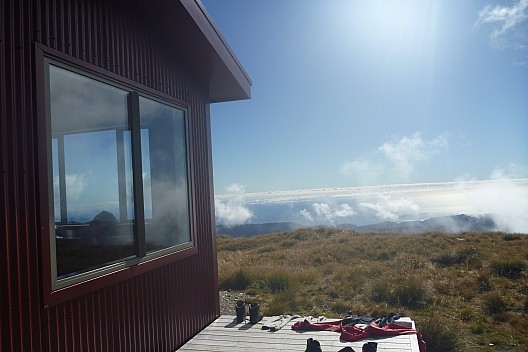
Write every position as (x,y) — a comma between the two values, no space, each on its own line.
(466,292)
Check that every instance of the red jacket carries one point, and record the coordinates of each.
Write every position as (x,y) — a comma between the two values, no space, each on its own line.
(353,333)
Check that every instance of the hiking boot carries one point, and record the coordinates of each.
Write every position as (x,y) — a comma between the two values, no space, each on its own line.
(240,308)
(313,345)
(254,315)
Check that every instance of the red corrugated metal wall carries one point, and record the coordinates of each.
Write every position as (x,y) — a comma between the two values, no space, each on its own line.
(157,311)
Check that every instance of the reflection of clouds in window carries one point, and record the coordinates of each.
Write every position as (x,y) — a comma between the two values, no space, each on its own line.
(75,185)
(92,153)
(165,173)
(170,219)
(151,109)
(147,195)
(92,176)
(91,171)
(79,103)
(56,189)
(145,166)
(87,115)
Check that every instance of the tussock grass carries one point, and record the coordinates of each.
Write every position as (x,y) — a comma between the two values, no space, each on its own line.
(464,291)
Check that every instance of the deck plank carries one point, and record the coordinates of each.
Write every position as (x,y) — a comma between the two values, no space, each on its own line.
(225,334)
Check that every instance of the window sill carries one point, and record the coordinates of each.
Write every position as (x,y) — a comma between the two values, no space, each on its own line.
(54,297)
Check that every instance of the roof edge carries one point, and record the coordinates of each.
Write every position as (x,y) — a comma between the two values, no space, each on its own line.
(225,54)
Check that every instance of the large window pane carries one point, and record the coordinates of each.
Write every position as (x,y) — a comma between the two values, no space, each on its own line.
(164,150)
(88,123)
(92,166)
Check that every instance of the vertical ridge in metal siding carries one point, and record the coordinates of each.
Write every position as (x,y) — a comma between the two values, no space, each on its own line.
(5,324)
(61,32)
(14,243)
(76,29)
(164,296)
(129,317)
(142,60)
(121,44)
(155,336)
(82,29)
(33,328)
(4,181)
(114,318)
(91,314)
(72,317)
(96,25)
(105,33)
(68,27)
(146,310)
(142,324)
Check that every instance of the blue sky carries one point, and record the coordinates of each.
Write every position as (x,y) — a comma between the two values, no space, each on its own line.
(357,93)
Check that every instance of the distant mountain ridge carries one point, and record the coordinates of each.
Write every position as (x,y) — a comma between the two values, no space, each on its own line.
(250,230)
(447,224)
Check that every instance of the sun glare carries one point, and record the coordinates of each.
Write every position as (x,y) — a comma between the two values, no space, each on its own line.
(397,27)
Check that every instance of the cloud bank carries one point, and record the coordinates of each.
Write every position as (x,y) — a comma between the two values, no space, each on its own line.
(503,198)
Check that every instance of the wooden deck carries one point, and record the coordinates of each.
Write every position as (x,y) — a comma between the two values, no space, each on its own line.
(225,334)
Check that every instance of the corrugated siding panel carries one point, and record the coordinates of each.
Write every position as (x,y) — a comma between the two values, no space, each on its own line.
(157,311)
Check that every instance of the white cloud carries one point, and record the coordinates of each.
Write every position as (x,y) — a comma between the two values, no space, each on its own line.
(388,208)
(306,214)
(512,171)
(231,214)
(233,211)
(509,28)
(504,18)
(323,209)
(394,161)
(505,201)
(345,211)
(504,197)
(75,185)
(329,214)
(363,171)
(236,188)
(407,151)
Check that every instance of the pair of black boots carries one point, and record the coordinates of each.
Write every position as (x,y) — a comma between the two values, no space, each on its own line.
(254,314)
(314,346)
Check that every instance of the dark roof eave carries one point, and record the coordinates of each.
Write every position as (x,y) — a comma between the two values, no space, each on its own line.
(228,81)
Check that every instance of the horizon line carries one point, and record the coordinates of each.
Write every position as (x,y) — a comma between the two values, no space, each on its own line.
(395,185)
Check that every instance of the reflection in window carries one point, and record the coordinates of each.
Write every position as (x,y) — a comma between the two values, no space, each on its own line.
(56,188)
(87,120)
(169,199)
(92,171)
(91,175)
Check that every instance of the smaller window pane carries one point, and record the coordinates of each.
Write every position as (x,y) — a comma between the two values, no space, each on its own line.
(164,149)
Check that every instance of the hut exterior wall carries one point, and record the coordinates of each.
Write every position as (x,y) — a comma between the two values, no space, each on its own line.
(155,311)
